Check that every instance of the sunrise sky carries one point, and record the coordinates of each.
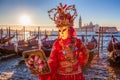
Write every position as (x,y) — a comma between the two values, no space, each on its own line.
(34,12)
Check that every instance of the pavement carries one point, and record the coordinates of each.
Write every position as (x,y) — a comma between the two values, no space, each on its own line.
(15,69)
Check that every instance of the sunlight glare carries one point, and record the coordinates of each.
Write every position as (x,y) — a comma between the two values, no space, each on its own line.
(25,20)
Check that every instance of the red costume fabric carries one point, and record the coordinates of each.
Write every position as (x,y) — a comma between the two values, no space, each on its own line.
(66,59)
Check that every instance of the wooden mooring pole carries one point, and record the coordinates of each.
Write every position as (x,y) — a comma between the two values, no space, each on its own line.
(16,43)
(16,35)
(9,34)
(39,38)
(24,32)
(102,31)
(99,35)
(86,36)
(1,33)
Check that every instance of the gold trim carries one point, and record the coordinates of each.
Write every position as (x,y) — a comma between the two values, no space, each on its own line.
(70,73)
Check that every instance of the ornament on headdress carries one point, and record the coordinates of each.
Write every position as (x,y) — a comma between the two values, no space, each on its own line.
(63,15)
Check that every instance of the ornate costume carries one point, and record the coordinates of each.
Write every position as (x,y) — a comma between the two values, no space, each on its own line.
(66,60)
(69,55)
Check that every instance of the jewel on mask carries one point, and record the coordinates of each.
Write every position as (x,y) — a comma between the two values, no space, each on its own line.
(64,52)
(76,48)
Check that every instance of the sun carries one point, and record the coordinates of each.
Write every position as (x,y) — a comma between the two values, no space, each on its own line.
(25,20)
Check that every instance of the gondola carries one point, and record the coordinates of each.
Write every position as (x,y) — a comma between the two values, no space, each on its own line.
(47,46)
(3,38)
(6,39)
(7,51)
(93,50)
(33,43)
(114,54)
(7,48)
(23,45)
(27,45)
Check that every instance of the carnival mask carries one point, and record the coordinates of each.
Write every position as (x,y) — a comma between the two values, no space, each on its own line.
(63,32)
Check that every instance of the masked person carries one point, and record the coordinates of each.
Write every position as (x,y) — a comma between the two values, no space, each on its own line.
(68,54)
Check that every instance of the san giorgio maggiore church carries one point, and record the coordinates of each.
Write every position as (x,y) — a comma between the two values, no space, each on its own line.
(95,27)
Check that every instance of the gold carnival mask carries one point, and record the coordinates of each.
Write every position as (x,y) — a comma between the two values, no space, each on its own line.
(63,32)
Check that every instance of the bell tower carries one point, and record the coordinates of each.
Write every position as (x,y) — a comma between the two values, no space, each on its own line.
(80,22)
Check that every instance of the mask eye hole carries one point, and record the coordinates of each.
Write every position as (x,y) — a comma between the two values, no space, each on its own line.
(59,30)
(64,30)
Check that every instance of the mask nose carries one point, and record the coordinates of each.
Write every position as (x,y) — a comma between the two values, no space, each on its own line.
(62,32)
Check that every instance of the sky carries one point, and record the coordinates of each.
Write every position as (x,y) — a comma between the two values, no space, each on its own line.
(102,12)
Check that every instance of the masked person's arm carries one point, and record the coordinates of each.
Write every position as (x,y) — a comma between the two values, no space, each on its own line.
(53,63)
(84,53)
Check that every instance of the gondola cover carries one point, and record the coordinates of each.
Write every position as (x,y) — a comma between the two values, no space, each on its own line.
(36,61)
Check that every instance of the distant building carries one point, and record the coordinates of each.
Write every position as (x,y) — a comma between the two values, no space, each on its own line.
(107,29)
(89,28)
(95,28)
